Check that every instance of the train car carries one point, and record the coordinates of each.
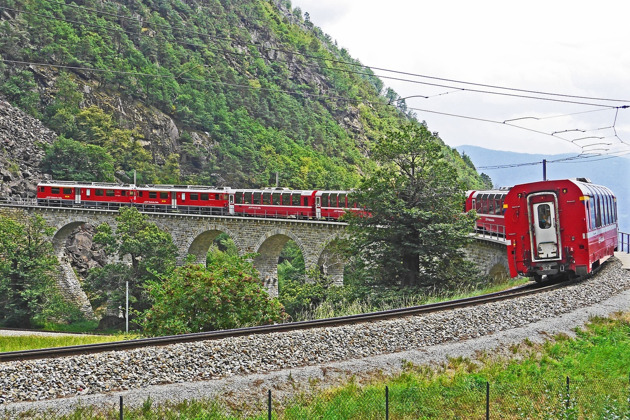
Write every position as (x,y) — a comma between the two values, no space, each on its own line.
(274,202)
(85,194)
(332,205)
(195,199)
(489,207)
(559,226)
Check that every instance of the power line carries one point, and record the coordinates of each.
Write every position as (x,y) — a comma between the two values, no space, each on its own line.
(355,64)
(336,97)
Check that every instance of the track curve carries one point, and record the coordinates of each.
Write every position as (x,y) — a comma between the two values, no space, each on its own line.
(526,290)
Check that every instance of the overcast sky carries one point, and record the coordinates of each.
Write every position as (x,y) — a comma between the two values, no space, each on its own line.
(578,48)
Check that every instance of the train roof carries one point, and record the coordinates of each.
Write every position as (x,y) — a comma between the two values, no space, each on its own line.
(82,184)
(584,185)
(276,190)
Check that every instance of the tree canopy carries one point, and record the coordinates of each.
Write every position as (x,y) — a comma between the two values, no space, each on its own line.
(416,228)
(144,253)
(28,292)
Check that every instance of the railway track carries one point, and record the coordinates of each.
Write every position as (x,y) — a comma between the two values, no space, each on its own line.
(526,290)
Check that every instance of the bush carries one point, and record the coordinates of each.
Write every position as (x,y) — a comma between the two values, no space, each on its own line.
(226,294)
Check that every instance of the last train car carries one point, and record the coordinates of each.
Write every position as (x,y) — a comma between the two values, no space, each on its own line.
(559,226)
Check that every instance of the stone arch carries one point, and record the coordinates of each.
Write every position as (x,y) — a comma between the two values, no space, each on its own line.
(67,279)
(330,262)
(202,241)
(61,235)
(268,249)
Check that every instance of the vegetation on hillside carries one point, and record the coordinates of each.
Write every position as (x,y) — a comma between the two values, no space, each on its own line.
(253,88)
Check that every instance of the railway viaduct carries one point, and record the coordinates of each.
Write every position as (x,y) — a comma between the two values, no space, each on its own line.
(194,234)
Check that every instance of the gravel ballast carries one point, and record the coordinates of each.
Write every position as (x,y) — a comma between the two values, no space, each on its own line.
(256,363)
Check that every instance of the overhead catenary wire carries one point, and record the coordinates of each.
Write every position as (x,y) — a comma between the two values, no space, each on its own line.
(350,63)
(473,90)
(336,97)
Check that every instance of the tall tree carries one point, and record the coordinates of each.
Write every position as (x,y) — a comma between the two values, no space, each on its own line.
(145,253)
(27,262)
(416,229)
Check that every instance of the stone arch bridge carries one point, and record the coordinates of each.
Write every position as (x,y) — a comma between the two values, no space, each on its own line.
(194,234)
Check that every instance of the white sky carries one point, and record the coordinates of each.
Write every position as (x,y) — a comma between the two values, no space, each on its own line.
(571,47)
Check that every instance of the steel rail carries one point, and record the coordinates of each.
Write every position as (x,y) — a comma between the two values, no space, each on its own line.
(527,290)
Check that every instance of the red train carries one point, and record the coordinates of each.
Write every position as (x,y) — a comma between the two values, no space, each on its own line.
(196,199)
(553,227)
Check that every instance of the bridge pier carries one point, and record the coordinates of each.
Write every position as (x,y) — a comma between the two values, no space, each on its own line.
(490,257)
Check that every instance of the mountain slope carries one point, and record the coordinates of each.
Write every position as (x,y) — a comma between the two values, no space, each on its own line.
(215,92)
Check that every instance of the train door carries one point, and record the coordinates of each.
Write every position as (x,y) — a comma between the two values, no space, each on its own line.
(173,200)
(231,203)
(77,195)
(318,207)
(545,230)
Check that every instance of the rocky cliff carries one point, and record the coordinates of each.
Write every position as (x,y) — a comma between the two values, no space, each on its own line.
(22,143)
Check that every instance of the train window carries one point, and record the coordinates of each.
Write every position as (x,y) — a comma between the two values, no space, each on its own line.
(275,199)
(247,198)
(205,197)
(140,193)
(55,190)
(266,198)
(110,193)
(592,211)
(257,198)
(42,189)
(238,198)
(67,190)
(343,200)
(152,194)
(194,196)
(123,193)
(98,192)
(286,199)
(296,199)
(598,212)
(544,216)
(163,195)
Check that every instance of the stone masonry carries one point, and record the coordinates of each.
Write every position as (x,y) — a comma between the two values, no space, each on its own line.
(194,234)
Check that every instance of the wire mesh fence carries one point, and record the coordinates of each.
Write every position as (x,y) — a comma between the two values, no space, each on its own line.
(471,397)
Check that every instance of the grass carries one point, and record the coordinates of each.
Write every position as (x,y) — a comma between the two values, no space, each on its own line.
(327,309)
(526,381)
(31,342)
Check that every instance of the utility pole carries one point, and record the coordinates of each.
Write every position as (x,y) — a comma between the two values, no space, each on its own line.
(544,169)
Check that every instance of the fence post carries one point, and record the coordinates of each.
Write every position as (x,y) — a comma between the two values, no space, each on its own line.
(386,403)
(121,407)
(269,405)
(487,400)
(568,394)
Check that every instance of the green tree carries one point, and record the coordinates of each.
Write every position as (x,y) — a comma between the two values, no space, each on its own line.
(69,159)
(416,228)
(27,264)
(226,294)
(145,253)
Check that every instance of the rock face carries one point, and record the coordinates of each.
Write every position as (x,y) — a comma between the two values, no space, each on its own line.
(22,146)
(83,253)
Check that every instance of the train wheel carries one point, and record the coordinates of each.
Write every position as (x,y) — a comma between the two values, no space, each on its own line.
(537,278)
